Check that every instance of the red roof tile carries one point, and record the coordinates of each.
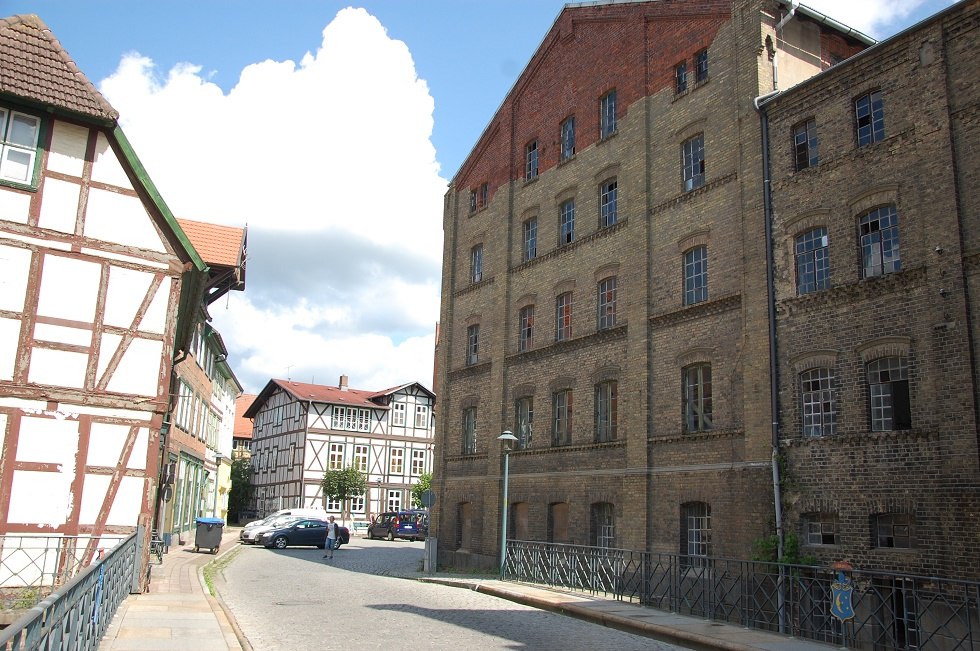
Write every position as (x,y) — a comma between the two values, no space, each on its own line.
(35,67)
(243,426)
(332,395)
(217,245)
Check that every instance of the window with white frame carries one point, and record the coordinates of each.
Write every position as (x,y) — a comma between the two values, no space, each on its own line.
(696,275)
(351,418)
(693,157)
(888,382)
(561,418)
(567,138)
(680,77)
(336,456)
(606,300)
(422,416)
(530,239)
(398,414)
(524,421)
(869,114)
(394,500)
(880,250)
(361,458)
(701,66)
(472,346)
(525,326)
(818,402)
(19,134)
(357,504)
(603,533)
(396,461)
(334,505)
(566,222)
(418,462)
(563,316)
(606,409)
(476,263)
(469,430)
(531,160)
(608,210)
(697,398)
(695,533)
(812,261)
(607,115)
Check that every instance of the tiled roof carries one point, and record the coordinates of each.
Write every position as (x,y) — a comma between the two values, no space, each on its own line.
(35,67)
(332,395)
(217,245)
(243,426)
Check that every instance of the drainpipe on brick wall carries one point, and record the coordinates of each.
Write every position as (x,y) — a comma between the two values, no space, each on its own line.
(773,366)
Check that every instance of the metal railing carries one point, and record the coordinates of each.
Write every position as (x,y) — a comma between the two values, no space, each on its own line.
(74,614)
(890,611)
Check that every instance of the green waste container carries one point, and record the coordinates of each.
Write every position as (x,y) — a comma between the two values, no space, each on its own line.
(208,534)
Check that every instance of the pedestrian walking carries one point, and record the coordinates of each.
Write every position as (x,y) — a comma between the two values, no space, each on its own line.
(332,535)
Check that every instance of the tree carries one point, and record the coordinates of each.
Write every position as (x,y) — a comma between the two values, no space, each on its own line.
(341,485)
(425,483)
(241,492)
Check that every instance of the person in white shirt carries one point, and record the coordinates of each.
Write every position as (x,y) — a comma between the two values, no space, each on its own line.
(332,535)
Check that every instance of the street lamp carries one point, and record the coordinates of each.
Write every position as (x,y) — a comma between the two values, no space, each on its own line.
(508,439)
(217,471)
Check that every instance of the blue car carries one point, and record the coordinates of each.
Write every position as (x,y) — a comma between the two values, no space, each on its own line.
(409,525)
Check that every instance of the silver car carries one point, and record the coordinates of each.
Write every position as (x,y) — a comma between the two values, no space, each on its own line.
(250,534)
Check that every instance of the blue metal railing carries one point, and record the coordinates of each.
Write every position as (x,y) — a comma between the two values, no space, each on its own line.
(77,615)
(892,612)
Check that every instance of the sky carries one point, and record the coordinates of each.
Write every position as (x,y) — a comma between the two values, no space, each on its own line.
(331,130)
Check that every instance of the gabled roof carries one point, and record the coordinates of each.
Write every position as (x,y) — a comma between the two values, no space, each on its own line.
(326,394)
(217,245)
(388,392)
(243,426)
(35,68)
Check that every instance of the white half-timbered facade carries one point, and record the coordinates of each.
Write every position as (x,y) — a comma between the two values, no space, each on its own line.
(302,430)
(93,269)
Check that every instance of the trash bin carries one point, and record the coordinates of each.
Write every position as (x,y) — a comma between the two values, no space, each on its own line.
(208,535)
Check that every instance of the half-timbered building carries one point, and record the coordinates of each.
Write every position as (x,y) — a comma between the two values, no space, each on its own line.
(96,285)
(302,430)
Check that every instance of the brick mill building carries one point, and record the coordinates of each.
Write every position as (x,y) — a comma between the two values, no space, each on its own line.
(606,291)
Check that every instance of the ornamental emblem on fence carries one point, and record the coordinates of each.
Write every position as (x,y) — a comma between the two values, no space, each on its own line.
(841,589)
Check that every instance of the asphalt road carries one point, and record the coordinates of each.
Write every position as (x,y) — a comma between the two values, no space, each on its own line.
(364,599)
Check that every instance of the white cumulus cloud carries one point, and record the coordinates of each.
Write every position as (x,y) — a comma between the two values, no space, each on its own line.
(330,163)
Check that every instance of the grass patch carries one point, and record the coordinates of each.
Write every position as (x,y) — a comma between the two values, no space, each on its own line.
(214,567)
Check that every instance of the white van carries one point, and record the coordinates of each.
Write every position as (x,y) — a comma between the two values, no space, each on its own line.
(306,513)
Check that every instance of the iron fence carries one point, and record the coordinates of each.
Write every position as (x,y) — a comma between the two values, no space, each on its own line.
(76,611)
(891,612)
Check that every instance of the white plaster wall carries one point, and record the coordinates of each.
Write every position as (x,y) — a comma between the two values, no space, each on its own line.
(59,205)
(57,368)
(155,318)
(138,371)
(67,153)
(106,167)
(121,218)
(63,334)
(106,443)
(44,498)
(799,53)
(15,266)
(69,288)
(125,293)
(125,507)
(14,206)
(9,336)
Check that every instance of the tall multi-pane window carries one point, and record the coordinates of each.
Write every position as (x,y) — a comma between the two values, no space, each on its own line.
(608,203)
(819,405)
(399,411)
(680,77)
(701,66)
(606,408)
(563,316)
(880,251)
(606,301)
(422,416)
(18,145)
(869,112)
(812,261)
(530,239)
(603,527)
(469,430)
(396,462)
(893,530)
(561,417)
(696,275)
(525,328)
(336,461)
(484,195)
(473,344)
(524,421)
(476,263)
(607,115)
(531,160)
(693,155)
(418,462)
(888,383)
(473,200)
(394,500)
(697,398)
(805,144)
(695,534)
(361,458)
(566,222)
(568,138)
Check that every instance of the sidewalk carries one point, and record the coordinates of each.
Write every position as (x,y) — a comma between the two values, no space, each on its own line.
(178,613)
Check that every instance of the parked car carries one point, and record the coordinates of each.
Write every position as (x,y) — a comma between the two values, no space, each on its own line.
(250,534)
(306,531)
(410,525)
(305,512)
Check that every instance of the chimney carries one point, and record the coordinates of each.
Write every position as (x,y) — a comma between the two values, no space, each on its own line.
(343,383)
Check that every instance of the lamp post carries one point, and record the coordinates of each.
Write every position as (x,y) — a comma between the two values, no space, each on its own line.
(508,439)
(217,471)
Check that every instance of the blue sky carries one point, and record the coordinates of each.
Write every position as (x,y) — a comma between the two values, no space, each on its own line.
(332,134)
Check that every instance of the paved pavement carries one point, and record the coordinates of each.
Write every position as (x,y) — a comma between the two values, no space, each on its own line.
(179,614)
